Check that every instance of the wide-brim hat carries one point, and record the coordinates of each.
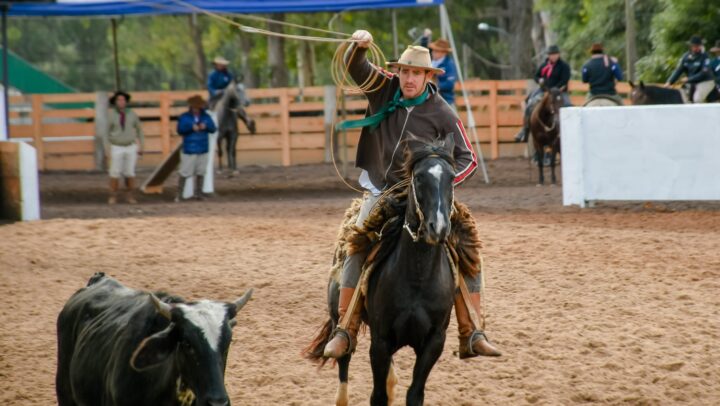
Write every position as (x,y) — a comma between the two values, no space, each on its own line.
(716,48)
(221,61)
(695,40)
(196,102)
(441,45)
(596,47)
(553,49)
(115,95)
(416,57)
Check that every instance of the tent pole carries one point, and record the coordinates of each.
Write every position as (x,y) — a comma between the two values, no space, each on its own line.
(395,34)
(5,82)
(445,24)
(113,21)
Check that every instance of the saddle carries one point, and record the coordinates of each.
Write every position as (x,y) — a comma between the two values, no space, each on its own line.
(380,233)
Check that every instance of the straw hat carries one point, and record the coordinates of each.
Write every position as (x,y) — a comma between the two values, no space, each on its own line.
(221,61)
(716,48)
(416,57)
(441,45)
(196,102)
(118,93)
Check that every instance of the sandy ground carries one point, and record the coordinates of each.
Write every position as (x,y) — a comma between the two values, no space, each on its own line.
(616,305)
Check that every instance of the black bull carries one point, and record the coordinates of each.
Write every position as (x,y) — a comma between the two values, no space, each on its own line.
(120,346)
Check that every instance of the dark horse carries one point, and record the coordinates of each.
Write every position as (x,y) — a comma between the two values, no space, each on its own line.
(643,94)
(545,130)
(410,291)
(228,107)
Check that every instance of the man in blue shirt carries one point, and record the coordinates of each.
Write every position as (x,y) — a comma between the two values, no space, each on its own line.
(696,65)
(220,78)
(439,51)
(601,71)
(194,126)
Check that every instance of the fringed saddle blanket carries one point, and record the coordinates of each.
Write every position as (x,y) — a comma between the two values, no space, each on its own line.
(381,230)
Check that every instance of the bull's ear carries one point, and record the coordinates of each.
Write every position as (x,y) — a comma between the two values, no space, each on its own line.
(154,349)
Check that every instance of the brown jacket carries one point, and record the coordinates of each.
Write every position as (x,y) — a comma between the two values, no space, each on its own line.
(380,151)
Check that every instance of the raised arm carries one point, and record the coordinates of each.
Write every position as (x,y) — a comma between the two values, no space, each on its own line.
(360,69)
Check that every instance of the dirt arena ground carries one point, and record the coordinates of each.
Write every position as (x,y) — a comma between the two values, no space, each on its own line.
(616,305)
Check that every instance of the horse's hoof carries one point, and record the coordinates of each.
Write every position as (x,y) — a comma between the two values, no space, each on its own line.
(539,185)
(552,184)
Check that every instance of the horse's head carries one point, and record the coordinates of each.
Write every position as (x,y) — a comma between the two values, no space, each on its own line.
(552,100)
(638,95)
(431,170)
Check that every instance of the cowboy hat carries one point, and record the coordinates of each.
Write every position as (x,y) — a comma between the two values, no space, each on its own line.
(716,48)
(553,49)
(441,45)
(115,95)
(696,40)
(596,47)
(221,61)
(196,102)
(415,57)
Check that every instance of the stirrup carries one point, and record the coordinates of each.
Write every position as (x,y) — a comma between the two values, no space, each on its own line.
(475,335)
(345,334)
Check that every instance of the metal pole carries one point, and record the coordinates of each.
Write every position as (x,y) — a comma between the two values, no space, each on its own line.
(630,37)
(395,34)
(115,53)
(445,20)
(5,81)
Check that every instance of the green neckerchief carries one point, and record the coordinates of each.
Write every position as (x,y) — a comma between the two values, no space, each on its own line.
(374,120)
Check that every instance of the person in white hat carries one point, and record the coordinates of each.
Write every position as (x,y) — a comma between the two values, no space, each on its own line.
(220,77)
(399,105)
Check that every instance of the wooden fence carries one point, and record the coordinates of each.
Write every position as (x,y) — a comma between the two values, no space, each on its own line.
(291,125)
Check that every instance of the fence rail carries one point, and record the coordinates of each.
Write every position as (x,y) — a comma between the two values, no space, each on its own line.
(291,126)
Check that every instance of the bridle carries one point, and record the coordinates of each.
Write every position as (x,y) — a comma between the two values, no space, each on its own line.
(415,235)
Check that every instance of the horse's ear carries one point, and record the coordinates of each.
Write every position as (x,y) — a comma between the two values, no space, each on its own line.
(642,85)
(447,142)
(632,85)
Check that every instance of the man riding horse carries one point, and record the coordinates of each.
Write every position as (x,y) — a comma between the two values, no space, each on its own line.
(401,107)
(601,71)
(695,63)
(553,72)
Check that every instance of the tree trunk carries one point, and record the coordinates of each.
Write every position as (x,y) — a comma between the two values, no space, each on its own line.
(250,79)
(200,66)
(521,45)
(276,54)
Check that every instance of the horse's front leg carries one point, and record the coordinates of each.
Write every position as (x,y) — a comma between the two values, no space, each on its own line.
(425,359)
(219,152)
(342,397)
(380,360)
(249,122)
(539,155)
(553,158)
(232,150)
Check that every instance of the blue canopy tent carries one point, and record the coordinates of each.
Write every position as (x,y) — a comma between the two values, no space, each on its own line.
(109,8)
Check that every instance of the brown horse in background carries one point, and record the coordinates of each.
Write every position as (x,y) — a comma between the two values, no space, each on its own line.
(545,130)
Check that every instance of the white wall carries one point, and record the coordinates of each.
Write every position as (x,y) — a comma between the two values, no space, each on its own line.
(29,185)
(669,152)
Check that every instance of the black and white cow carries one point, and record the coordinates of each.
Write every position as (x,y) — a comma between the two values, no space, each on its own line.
(120,346)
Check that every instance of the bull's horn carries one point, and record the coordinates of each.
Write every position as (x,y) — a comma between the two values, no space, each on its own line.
(162,307)
(243,300)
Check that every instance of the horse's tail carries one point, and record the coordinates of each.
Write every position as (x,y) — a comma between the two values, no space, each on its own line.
(314,351)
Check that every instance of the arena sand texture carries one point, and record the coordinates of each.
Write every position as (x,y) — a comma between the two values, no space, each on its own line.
(615,305)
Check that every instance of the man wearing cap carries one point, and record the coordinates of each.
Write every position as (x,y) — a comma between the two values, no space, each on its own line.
(194,126)
(601,71)
(123,141)
(695,63)
(220,77)
(715,63)
(439,51)
(553,72)
(400,105)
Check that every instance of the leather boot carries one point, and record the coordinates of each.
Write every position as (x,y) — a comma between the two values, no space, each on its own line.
(114,185)
(522,135)
(130,186)
(344,341)
(473,341)
(199,195)
(180,189)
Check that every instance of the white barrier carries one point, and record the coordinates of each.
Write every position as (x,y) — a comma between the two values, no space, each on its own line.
(669,152)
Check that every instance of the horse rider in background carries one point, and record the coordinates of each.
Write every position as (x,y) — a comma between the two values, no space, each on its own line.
(219,79)
(715,63)
(695,63)
(401,106)
(439,51)
(601,71)
(553,72)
